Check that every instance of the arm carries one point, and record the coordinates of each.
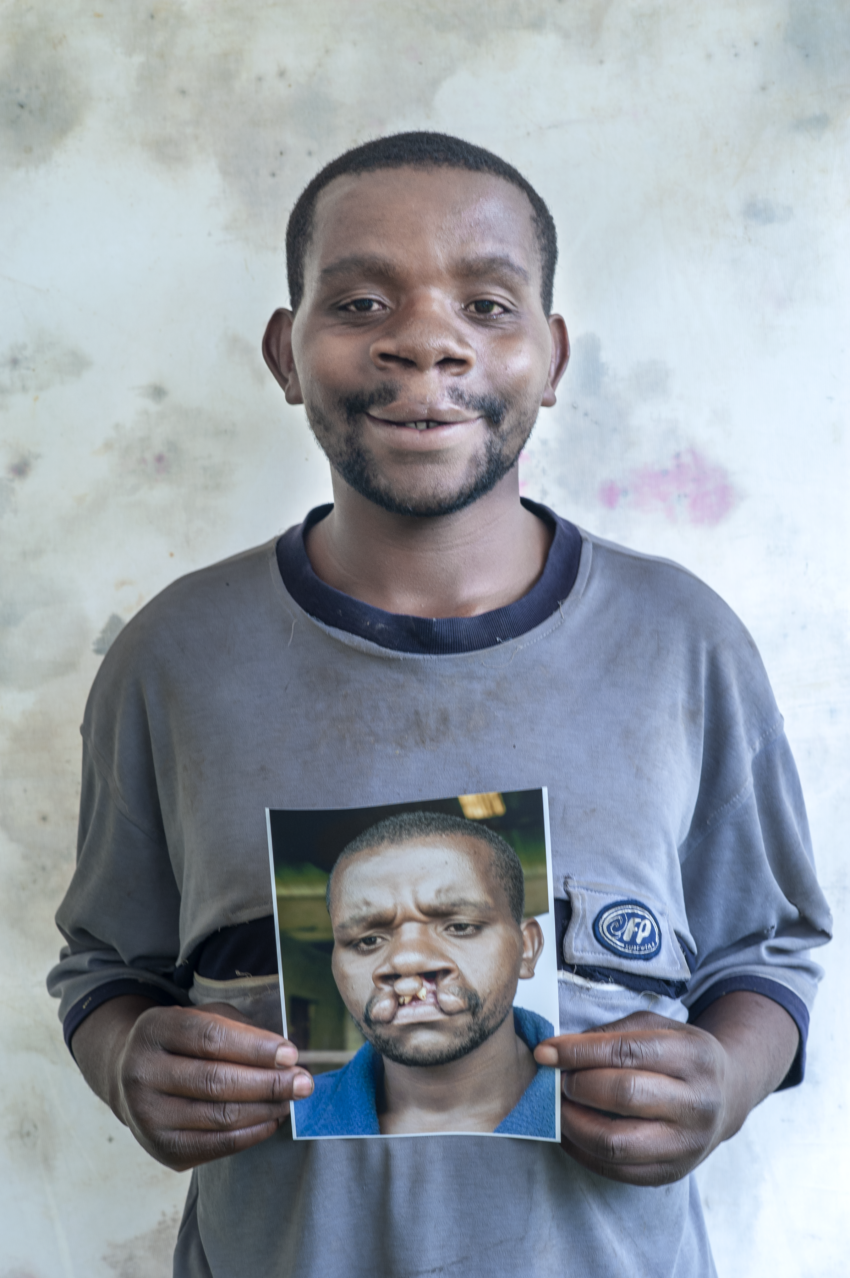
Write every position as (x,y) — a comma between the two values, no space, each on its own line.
(192,1085)
(646,1099)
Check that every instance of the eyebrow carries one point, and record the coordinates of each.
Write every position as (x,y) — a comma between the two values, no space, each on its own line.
(358,264)
(493,264)
(438,910)
(480,267)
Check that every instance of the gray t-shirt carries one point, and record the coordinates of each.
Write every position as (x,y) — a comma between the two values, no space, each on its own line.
(640,702)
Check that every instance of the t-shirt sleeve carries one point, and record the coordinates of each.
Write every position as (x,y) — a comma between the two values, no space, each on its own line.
(120,916)
(755,907)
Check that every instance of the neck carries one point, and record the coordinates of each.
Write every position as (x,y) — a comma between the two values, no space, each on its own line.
(473,1094)
(483,557)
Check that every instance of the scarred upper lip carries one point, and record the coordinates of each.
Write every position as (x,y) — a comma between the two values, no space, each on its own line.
(417,998)
(422,1006)
(410,413)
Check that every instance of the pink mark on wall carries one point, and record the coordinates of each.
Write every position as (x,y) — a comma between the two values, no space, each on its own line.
(20,469)
(159,465)
(690,486)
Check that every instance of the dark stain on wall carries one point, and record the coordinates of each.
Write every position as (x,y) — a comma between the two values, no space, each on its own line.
(108,635)
(765,212)
(153,391)
(819,33)
(148,1255)
(38,364)
(814,124)
(42,99)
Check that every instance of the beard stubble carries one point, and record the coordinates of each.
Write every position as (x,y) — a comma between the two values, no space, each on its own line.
(480,1026)
(353,463)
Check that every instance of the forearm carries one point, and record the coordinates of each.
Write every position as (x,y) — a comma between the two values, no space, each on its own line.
(99,1041)
(192,1084)
(646,1099)
(760,1041)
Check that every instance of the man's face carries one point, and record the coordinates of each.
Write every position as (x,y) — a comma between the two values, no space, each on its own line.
(421,305)
(427,955)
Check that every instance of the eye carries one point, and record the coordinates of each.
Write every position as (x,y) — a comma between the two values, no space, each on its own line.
(463,929)
(487,307)
(367,944)
(361,306)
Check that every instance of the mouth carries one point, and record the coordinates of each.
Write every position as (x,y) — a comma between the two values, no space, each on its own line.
(422,423)
(421,995)
(424,1005)
(420,999)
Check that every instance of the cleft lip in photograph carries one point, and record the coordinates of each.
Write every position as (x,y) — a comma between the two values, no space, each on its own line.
(417,966)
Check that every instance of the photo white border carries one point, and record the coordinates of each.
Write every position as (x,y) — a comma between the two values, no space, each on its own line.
(550,889)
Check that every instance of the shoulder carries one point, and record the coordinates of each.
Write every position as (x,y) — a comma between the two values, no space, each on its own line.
(343,1100)
(535,1113)
(531,1027)
(666,609)
(650,584)
(193,623)
(213,591)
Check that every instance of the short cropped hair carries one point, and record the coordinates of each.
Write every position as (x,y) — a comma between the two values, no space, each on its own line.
(408,826)
(420,151)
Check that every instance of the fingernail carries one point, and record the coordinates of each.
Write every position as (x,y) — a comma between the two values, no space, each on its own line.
(285,1056)
(546,1055)
(302,1085)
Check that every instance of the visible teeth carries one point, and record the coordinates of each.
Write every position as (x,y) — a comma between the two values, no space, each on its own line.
(423,993)
(404,999)
(421,425)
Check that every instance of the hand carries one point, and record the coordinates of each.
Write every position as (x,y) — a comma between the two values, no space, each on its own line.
(645,1099)
(195,1084)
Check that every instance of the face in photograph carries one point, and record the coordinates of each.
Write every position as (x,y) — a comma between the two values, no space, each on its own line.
(429,947)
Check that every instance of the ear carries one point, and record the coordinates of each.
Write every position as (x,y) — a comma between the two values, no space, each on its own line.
(560,358)
(277,352)
(532,948)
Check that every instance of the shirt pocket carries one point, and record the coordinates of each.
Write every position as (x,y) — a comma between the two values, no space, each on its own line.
(618,953)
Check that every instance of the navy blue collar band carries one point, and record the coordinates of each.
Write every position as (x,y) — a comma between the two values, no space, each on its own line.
(439,636)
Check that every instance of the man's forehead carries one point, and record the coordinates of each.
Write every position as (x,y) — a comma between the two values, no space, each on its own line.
(443,859)
(447,210)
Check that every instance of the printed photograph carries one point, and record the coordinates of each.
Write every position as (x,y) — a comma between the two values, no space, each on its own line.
(416,953)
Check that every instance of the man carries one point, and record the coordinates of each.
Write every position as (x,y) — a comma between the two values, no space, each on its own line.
(429,945)
(433,634)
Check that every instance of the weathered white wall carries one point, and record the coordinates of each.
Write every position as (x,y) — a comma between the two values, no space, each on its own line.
(696,160)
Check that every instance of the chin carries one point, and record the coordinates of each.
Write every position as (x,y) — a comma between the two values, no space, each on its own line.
(427,504)
(425,1057)
(437,1048)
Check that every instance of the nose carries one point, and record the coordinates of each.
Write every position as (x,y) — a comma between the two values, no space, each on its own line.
(422,335)
(412,953)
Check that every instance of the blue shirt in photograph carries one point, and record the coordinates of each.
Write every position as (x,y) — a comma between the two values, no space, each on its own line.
(343,1102)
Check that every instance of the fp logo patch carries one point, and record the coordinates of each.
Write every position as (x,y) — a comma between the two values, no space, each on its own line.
(628,928)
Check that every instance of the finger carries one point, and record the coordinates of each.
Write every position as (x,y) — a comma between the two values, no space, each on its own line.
(626,1141)
(641,1020)
(637,1094)
(627,1173)
(219,1081)
(181,1150)
(176,1114)
(634,1021)
(207,1035)
(678,1055)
